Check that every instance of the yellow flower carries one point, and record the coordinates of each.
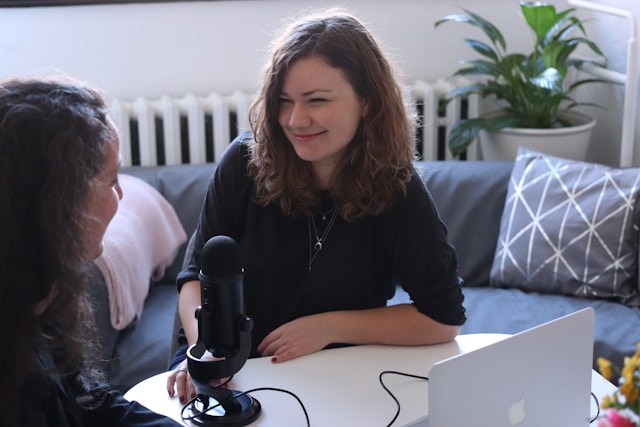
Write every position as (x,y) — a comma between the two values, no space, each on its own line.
(633,362)
(606,402)
(605,367)
(629,390)
(627,396)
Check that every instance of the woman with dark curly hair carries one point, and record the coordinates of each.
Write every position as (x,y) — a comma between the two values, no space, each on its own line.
(59,161)
(325,204)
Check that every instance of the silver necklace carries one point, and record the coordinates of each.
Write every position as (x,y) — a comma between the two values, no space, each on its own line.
(315,248)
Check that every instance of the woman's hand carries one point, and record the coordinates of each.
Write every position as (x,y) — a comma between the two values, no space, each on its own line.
(179,380)
(296,338)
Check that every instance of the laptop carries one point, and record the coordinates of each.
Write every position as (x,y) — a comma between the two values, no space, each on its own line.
(538,377)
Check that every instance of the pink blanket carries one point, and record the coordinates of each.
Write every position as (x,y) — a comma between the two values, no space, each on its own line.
(141,241)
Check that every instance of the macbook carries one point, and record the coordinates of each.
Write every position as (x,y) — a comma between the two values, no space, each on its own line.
(539,377)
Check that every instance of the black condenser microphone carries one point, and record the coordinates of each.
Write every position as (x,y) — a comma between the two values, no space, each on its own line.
(222,295)
(225,331)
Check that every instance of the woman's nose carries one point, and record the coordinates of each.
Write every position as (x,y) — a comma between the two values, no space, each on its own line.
(118,190)
(299,116)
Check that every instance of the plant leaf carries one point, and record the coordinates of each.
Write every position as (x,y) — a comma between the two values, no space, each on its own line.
(479,67)
(490,30)
(483,49)
(556,32)
(540,17)
(555,54)
(466,90)
(463,132)
(550,79)
(585,81)
(590,44)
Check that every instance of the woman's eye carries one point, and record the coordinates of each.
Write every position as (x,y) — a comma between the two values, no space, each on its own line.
(317,100)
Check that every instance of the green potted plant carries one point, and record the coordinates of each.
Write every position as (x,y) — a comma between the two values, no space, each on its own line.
(529,88)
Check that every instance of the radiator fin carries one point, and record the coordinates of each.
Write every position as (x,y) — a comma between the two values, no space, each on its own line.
(197,129)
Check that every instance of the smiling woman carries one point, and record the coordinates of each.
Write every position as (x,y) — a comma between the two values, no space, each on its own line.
(325,203)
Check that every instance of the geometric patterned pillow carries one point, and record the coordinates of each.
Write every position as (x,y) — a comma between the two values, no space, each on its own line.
(569,227)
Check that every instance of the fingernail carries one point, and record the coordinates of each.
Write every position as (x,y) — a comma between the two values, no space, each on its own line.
(274,360)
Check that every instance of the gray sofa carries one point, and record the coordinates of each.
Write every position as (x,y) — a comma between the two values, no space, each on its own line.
(470,197)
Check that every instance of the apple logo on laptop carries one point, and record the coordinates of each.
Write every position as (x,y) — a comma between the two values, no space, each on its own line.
(517,412)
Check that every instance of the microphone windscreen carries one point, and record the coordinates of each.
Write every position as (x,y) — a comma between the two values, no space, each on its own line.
(220,257)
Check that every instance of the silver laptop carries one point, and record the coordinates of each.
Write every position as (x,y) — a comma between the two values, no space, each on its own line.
(539,377)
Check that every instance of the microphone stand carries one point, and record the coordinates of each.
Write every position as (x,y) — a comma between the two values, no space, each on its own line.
(238,409)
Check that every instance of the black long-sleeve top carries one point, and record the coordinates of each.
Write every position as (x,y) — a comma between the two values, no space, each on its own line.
(46,400)
(359,266)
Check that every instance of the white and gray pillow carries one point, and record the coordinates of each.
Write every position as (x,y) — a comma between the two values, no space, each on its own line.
(569,227)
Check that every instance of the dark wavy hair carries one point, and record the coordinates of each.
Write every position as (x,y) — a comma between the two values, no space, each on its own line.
(377,164)
(53,135)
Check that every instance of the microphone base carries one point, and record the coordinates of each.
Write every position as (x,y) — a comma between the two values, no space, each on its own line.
(236,411)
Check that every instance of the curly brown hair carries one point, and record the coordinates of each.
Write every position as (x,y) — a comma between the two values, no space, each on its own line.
(53,135)
(377,163)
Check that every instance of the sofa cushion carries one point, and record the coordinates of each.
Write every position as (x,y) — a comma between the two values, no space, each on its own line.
(570,228)
(509,311)
(143,349)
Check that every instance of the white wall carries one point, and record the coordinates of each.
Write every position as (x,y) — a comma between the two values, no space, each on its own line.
(173,48)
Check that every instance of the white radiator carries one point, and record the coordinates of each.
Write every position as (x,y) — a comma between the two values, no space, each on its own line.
(197,129)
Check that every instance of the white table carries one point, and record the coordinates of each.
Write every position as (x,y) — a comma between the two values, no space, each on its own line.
(339,386)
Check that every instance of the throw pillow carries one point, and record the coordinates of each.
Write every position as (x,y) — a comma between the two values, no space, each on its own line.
(141,241)
(569,227)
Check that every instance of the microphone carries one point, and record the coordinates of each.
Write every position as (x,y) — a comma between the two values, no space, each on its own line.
(225,331)
(221,290)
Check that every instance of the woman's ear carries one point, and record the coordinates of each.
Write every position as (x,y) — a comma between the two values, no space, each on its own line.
(365,108)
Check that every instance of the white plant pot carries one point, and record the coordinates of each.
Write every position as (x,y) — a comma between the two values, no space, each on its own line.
(567,142)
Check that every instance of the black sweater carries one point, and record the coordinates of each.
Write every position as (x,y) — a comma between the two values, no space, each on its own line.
(47,401)
(360,263)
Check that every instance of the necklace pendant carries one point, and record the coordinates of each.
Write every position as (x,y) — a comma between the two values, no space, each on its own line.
(313,230)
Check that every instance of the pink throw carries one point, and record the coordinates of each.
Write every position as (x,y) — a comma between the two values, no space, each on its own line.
(141,241)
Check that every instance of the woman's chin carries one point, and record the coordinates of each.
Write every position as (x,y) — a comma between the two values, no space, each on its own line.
(303,153)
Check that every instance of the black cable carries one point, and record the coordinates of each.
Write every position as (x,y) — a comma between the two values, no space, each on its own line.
(395,417)
(306,415)
(189,418)
(597,406)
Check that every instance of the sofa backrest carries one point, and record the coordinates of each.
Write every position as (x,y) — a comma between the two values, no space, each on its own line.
(183,186)
(468,194)
(470,197)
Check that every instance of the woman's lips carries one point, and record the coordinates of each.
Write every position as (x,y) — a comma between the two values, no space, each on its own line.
(306,137)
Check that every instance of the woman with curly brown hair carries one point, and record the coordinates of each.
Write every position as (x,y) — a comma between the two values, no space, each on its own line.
(59,161)
(326,206)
